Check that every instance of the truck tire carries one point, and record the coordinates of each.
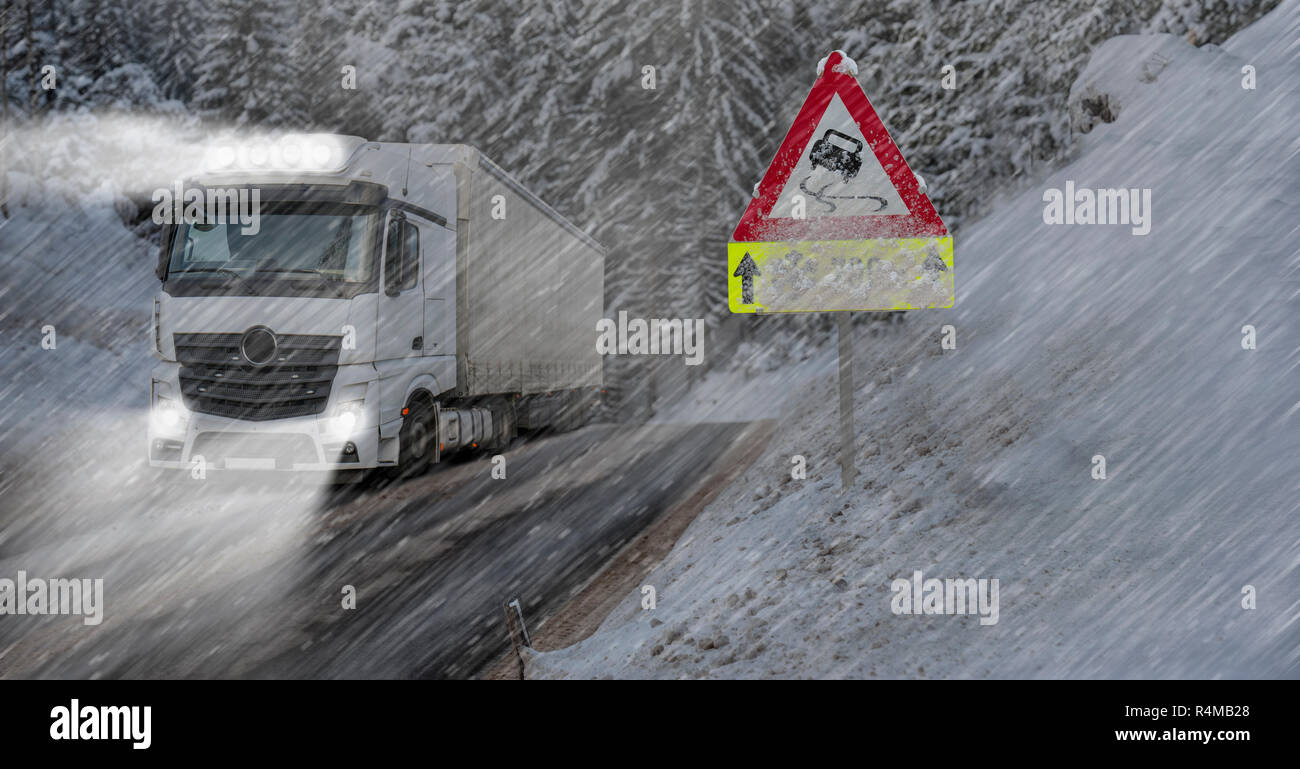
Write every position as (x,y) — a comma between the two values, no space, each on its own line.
(505,424)
(416,439)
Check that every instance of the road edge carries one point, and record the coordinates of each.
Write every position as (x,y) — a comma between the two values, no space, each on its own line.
(583,614)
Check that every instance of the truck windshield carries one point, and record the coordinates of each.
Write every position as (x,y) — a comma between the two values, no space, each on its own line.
(293,249)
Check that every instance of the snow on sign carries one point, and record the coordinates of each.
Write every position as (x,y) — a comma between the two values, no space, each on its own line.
(839,221)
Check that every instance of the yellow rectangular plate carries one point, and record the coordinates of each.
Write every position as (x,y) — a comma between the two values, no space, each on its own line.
(830,275)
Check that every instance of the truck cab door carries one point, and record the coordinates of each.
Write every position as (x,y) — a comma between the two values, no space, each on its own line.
(401,303)
(439,253)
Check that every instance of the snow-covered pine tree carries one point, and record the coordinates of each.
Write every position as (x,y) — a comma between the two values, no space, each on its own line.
(1207,21)
(6,17)
(450,63)
(538,109)
(4,108)
(671,169)
(413,27)
(327,47)
(29,48)
(106,34)
(247,73)
(175,53)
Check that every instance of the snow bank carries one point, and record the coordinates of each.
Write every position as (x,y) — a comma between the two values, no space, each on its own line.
(76,268)
(1125,69)
(750,390)
(1072,341)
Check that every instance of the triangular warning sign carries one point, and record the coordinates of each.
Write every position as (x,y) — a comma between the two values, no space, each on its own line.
(838,174)
(839,221)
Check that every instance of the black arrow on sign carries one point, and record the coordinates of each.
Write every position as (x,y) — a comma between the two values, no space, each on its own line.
(746,271)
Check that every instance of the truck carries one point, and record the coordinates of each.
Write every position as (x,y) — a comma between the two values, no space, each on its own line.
(379,306)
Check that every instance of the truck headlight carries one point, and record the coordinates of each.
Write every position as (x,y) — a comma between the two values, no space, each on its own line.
(348,417)
(168,416)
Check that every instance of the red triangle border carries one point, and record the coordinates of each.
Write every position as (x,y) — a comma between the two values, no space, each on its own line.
(920,221)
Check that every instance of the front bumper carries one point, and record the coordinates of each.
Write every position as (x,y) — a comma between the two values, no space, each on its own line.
(287,444)
(306,443)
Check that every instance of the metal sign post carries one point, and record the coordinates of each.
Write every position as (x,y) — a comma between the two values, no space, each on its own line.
(848,472)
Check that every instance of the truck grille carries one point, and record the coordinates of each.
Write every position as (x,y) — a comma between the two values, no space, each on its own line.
(215,378)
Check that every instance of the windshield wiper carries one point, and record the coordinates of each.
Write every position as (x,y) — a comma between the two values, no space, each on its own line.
(324,279)
(308,270)
(224,271)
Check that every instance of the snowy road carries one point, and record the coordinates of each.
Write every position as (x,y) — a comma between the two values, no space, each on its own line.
(231,579)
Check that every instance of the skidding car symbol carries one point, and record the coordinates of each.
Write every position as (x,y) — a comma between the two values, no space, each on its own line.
(835,158)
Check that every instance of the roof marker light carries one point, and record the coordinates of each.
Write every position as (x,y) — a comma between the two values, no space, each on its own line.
(289,153)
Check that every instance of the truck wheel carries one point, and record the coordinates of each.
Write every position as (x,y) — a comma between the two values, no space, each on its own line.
(505,421)
(416,440)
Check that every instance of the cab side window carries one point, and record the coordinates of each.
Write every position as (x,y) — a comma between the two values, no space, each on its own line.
(411,256)
(401,256)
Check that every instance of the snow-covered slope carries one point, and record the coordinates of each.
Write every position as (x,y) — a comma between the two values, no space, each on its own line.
(1072,341)
(78,270)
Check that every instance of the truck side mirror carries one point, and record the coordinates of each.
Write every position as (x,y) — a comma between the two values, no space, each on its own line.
(164,253)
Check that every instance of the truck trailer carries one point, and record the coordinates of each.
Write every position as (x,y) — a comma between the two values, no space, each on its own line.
(384,304)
